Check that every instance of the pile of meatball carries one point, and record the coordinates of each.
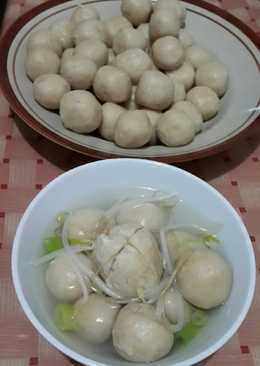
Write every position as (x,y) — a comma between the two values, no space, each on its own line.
(137,79)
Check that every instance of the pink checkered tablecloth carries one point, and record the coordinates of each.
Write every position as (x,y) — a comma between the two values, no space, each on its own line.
(28,162)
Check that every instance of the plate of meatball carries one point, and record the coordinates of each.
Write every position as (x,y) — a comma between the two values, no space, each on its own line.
(167,80)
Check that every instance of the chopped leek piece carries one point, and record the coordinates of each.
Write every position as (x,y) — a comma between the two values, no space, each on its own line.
(52,243)
(64,317)
(199,318)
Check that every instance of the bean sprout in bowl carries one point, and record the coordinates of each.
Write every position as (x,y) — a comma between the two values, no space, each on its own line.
(193,204)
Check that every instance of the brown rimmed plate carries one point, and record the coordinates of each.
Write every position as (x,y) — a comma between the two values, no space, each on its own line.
(228,38)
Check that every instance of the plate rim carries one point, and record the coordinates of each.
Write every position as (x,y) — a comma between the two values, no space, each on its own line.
(17,107)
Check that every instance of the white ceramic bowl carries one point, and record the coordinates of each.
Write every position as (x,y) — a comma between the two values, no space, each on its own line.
(101,182)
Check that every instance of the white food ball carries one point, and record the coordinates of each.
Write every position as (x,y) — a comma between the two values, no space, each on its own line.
(155,91)
(179,92)
(164,23)
(213,75)
(184,74)
(128,38)
(61,278)
(114,25)
(44,38)
(80,111)
(134,62)
(96,318)
(154,118)
(131,104)
(86,224)
(192,112)
(168,53)
(139,336)
(206,101)
(48,89)
(41,60)
(197,56)
(133,129)
(62,31)
(90,29)
(67,54)
(111,57)
(136,11)
(172,303)
(84,12)
(185,38)
(175,129)
(145,29)
(78,71)
(112,85)
(93,49)
(205,279)
(173,6)
(111,113)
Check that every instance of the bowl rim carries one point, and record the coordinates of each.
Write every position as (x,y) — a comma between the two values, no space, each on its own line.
(98,164)
(18,108)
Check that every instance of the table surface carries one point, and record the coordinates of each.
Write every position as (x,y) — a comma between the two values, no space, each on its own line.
(28,162)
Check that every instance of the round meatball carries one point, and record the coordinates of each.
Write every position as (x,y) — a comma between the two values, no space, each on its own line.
(197,56)
(168,53)
(175,128)
(206,101)
(134,62)
(172,307)
(185,38)
(139,336)
(179,92)
(62,31)
(184,74)
(78,71)
(114,25)
(111,113)
(96,318)
(129,38)
(172,6)
(93,49)
(112,85)
(44,38)
(205,279)
(48,90)
(133,129)
(84,12)
(155,91)
(90,29)
(61,278)
(80,111)
(164,23)
(136,11)
(192,112)
(41,60)
(213,75)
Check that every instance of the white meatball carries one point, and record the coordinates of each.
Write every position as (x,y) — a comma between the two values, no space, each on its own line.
(175,129)
(184,74)
(139,336)
(61,278)
(131,104)
(84,12)
(90,29)
(129,38)
(164,23)
(192,112)
(44,38)
(93,49)
(111,113)
(136,11)
(154,118)
(41,60)
(213,75)
(185,38)
(48,90)
(96,318)
(112,85)
(86,224)
(78,71)
(179,92)
(197,56)
(173,301)
(173,6)
(168,53)
(206,101)
(111,57)
(62,31)
(80,111)
(145,29)
(134,62)
(155,91)
(205,279)
(67,54)
(114,25)
(133,129)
